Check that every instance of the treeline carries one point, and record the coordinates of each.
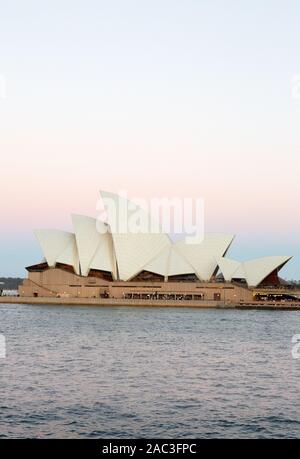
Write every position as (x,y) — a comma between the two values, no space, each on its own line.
(295,282)
(10,283)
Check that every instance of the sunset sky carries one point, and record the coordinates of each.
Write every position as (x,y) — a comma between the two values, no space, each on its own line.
(162,98)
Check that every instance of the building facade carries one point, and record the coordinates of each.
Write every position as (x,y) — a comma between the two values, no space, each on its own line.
(100,260)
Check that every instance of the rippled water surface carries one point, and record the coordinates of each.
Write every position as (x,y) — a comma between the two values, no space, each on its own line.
(144,372)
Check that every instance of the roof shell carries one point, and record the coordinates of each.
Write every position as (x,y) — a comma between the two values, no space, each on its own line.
(203,257)
(94,242)
(169,262)
(53,243)
(253,271)
(228,267)
(69,256)
(134,249)
(257,270)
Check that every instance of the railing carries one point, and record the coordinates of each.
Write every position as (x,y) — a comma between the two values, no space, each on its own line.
(162,296)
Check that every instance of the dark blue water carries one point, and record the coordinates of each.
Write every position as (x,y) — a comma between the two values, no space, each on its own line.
(143,372)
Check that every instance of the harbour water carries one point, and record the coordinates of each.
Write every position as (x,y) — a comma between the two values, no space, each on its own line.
(93,372)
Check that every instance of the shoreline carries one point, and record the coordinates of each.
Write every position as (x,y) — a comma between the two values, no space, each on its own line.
(109,302)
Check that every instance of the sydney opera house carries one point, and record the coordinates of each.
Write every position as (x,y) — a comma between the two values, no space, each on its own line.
(98,261)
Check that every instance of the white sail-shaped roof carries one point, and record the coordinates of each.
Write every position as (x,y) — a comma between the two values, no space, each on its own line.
(94,245)
(131,241)
(159,265)
(69,256)
(240,272)
(203,257)
(229,268)
(178,264)
(253,271)
(169,263)
(53,243)
(104,258)
(87,239)
(134,245)
(257,270)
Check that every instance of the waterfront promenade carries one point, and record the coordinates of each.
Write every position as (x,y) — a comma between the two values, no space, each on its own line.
(102,302)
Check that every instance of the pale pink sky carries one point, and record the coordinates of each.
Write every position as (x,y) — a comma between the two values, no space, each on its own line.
(170,99)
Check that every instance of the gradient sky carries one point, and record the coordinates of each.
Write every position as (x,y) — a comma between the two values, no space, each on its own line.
(161,98)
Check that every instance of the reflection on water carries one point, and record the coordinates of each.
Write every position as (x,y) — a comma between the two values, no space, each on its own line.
(144,372)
